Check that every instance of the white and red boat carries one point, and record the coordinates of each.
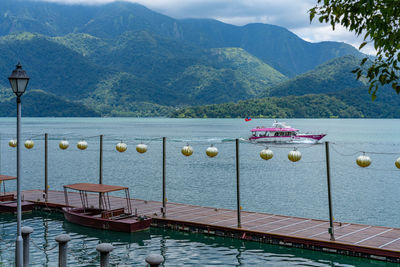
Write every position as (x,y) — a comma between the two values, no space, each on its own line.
(282,133)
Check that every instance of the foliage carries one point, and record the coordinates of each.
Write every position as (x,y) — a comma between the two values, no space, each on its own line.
(308,106)
(274,45)
(332,76)
(378,20)
(123,59)
(348,103)
(37,103)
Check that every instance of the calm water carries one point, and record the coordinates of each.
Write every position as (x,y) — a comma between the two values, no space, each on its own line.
(278,186)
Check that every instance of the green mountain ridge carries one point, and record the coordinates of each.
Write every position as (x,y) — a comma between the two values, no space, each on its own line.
(331,76)
(330,90)
(122,59)
(274,45)
(50,106)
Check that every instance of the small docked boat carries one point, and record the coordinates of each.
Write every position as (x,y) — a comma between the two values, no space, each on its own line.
(108,216)
(8,203)
(282,133)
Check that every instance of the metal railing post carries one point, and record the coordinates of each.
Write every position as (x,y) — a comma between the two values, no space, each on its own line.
(100,168)
(104,249)
(26,231)
(163,180)
(62,240)
(154,260)
(46,167)
(328,178)
(238,185)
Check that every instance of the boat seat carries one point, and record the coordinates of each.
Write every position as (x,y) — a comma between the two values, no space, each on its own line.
(107,214)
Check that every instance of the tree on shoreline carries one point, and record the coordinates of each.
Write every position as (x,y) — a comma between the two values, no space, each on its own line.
(375,20)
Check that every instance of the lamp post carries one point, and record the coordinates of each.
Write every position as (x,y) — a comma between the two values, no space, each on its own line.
(19,81)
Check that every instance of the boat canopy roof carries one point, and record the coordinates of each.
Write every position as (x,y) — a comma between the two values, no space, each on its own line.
(6,177)
(262,129)
(97,188)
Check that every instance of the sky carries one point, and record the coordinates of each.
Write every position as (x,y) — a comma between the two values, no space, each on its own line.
(290,14)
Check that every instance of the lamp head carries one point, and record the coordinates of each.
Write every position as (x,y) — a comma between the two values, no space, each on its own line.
(18,80)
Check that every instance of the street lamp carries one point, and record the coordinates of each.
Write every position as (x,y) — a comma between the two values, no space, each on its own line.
(19,81)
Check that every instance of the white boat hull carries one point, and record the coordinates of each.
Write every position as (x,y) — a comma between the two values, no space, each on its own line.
(306,139)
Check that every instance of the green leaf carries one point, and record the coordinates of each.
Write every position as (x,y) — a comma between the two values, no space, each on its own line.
(363,61)
(362,45)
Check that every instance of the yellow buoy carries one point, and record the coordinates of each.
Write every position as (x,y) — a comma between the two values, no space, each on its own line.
(12,143)
(141,148)
(212,151)
(64,144)
(82,145)
(29,144)
(294,155)
(187,150)
(397,163)
(121,147)
(266,154)
(363,161)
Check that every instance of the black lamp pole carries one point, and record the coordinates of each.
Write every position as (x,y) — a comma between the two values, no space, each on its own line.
(18,81)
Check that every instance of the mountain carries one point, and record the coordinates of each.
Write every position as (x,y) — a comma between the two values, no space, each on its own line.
(308,106)
(51,66)
(135,67)
(49,106)
(274,45)
(348,103)
(122,59)
(332,76)
(330,90)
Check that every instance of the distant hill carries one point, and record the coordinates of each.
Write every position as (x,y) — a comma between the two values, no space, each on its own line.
(37,103)
(330,90)
(332,76)
(274,45)
(349,103)
(122,59)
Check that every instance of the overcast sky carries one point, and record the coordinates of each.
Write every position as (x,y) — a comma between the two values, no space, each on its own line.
(291,14)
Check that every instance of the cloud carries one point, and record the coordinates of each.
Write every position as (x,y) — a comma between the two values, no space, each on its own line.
(290,14)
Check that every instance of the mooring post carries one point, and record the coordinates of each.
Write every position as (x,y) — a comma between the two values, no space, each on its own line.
(154,260)
(238,184)
(46,177)
(164,208)
(328,176)
(100,168)
(26,231)
(62,240)
(104,249)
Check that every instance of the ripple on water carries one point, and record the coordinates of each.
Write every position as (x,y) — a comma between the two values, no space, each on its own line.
(178,249)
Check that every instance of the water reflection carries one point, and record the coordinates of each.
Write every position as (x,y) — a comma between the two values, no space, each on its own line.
(178,248)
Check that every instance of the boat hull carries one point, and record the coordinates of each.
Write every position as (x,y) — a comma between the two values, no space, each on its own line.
(310,139)
(11,206)
(129,224)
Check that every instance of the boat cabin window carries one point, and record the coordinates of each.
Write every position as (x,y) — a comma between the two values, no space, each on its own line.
(276,134)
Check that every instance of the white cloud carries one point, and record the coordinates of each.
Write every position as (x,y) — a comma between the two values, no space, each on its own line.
(291,14)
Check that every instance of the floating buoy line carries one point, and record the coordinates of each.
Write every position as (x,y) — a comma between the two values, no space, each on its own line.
(361,158)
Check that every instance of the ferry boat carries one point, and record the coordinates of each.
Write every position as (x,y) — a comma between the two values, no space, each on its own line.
(282,133)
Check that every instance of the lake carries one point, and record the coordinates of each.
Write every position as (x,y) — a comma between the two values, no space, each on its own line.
(278,186)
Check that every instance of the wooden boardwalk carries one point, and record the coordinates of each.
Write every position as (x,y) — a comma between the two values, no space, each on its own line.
(375,242)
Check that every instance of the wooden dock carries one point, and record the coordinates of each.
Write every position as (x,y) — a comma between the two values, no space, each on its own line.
(375,242)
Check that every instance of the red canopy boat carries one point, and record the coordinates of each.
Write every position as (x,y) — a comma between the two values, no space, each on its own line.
(118,218)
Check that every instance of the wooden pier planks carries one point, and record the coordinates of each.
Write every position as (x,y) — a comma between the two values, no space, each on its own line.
(353,239)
